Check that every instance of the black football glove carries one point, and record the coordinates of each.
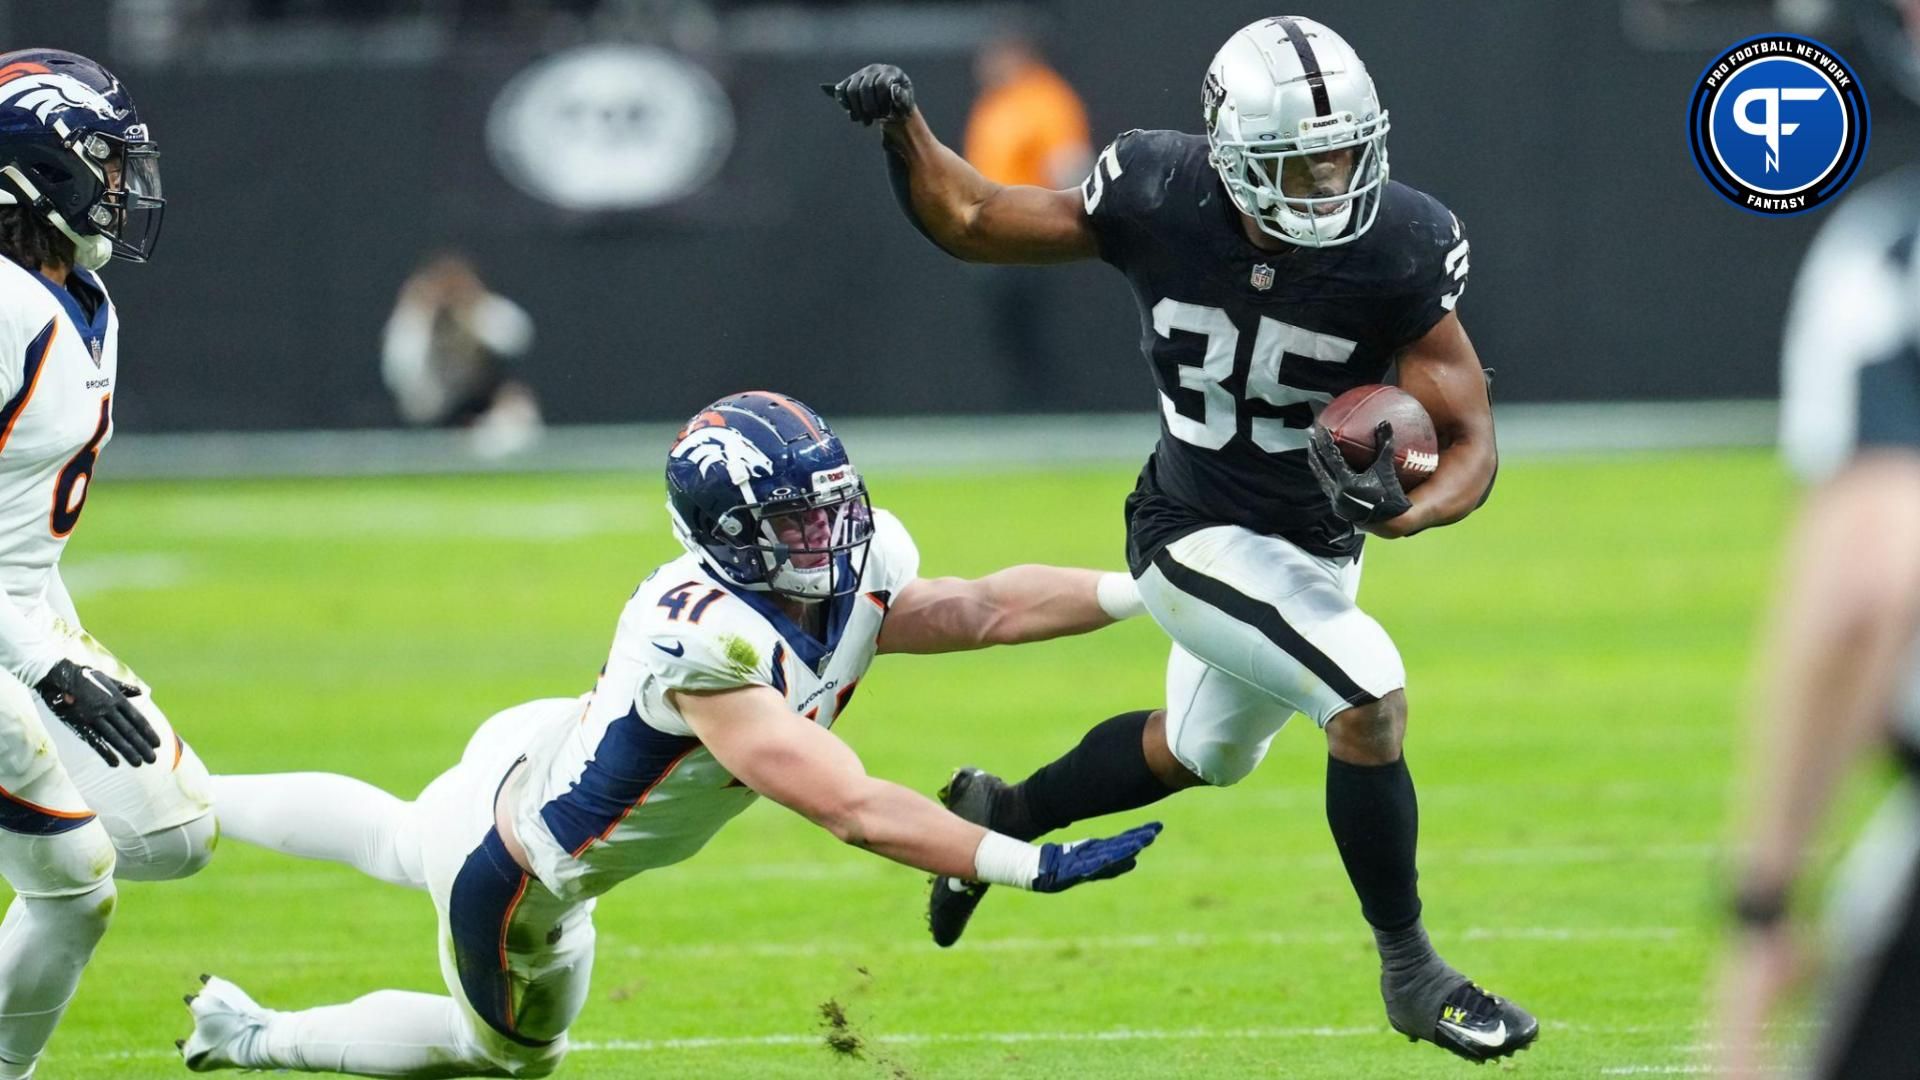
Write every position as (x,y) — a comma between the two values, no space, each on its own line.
(1366,497)
(94,704)
(875,92)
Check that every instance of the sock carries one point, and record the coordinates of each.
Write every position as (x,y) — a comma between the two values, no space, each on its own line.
(1376,823)
(386,1033)
(1414,980)
(323,816)
(45,943)
(1105,774)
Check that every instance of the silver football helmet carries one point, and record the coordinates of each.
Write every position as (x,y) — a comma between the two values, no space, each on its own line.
(1297,133)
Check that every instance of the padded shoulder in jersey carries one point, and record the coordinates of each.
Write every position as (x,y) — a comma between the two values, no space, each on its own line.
(692,634)
(1419,249)
(1851,358)
(893,560)
(1143,183)
(26,307)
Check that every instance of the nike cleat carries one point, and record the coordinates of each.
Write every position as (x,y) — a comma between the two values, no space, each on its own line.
(1478,1026)
(225,1019)
(969,794)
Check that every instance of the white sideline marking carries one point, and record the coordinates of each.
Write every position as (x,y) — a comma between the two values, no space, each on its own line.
(918,1038)
(1116,942)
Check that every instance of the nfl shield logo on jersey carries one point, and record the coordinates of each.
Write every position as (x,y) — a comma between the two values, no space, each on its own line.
(1262,278)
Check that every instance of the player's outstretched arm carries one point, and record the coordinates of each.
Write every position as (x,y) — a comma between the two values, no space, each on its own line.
(965,214)
(1007,607)
(1443,371)
(805,768)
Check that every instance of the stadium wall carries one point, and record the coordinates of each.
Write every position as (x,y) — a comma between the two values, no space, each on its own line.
(302,193)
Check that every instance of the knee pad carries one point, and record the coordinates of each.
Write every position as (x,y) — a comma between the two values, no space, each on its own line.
(79,915)
(168,853)
(1224,764)
(515,1060)
(69,863)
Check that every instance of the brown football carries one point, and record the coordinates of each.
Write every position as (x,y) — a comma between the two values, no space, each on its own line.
(1352,417)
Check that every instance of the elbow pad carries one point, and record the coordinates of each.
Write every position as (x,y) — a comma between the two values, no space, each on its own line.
(897,176)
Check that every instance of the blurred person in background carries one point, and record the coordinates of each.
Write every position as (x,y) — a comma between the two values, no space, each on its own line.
(79,184)
(447,354)
(1841,672)
(1027,127)
(1839,676)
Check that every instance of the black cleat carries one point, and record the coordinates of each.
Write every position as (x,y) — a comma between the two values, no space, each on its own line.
(969,794)
(1478,1026)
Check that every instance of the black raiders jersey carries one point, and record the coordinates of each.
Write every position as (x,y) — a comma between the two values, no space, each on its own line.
(1248,345)
(1850,373)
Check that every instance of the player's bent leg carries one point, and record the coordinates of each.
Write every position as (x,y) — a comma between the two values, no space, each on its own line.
(393,1033)
(324,816)
(1111,770)
(59,861)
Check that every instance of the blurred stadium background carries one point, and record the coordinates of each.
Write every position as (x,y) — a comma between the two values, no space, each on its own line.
(308,587)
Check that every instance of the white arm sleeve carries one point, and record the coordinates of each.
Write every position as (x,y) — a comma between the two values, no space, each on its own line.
(60,600)
(405,358)
(27,650)
(501,325)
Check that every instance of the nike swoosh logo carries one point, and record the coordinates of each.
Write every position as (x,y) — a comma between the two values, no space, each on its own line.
(677,650)
(1497,1037)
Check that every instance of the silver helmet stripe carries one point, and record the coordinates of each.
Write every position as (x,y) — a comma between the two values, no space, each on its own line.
(1316,81)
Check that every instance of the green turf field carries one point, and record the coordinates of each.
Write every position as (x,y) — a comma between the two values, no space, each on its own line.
(1574,653)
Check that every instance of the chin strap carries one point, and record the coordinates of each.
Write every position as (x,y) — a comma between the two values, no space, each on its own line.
(90,252)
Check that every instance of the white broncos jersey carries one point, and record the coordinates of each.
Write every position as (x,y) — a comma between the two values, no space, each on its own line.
(58,360)
(623,786)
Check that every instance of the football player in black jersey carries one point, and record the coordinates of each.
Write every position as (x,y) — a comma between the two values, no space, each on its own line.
(1276,266)
(1842,670)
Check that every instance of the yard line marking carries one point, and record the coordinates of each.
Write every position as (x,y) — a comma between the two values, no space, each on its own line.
(1111,942)
(923,1038)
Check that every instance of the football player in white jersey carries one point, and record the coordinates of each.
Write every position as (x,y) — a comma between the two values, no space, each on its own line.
(93,781)
(728,668)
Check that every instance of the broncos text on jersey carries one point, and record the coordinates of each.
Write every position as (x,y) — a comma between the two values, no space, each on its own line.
(1247,345)
(623,786)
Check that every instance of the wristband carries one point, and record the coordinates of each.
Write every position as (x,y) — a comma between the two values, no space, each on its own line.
(1119,597)
(1002,860)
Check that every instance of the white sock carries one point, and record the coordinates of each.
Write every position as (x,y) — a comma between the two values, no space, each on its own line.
(323,816)
(45,943)
(386,1033)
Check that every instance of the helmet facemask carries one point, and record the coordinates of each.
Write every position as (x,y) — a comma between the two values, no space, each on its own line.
(807,548)
(102,192)
(130,205)
(1319,189)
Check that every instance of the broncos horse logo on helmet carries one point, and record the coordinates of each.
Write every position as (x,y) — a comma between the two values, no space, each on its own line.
(74,150)
(761,489)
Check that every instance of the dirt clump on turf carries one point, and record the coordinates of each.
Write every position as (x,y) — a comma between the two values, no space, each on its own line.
(841,1037)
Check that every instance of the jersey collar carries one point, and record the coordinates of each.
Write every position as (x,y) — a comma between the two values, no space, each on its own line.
(93,327)
(810,650)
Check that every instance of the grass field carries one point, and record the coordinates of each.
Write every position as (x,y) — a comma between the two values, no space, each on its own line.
(1574,651)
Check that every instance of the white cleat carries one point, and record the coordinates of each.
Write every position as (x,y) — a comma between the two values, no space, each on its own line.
(224,1018)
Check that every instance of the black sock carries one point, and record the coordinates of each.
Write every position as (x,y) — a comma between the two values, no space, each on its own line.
(1105,774)
(1376,823)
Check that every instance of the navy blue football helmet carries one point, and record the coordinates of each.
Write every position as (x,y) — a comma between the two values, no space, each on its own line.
(74,150)
(760,488)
